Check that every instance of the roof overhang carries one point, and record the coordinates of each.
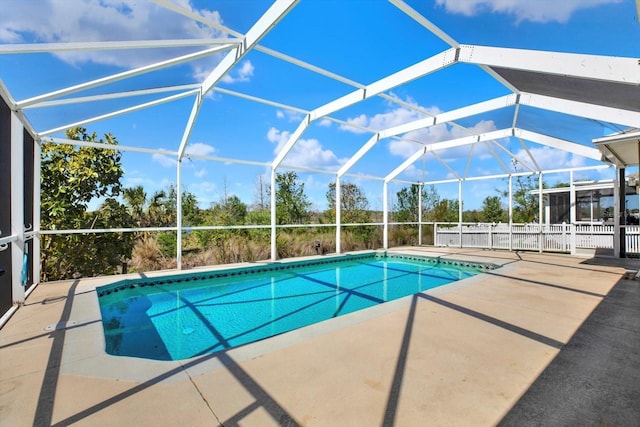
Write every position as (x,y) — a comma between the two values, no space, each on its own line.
(605,188)
(621,149)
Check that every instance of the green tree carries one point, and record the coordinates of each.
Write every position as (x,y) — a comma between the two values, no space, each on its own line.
(191,214)
(354,206)
(430,199)
(473,216)
(160,209)
(71,177)
(231,211)
(292,204)
(492,210)
(525,204)
(136,201)
(445,211)
(407,204)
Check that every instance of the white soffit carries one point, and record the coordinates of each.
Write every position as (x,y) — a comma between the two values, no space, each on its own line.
(621,149)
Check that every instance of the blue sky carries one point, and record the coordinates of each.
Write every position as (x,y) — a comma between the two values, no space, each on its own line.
(362,40)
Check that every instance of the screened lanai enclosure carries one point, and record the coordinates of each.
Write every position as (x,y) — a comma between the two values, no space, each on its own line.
(158,134)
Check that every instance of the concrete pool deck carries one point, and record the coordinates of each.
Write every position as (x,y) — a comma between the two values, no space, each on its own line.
(545,340)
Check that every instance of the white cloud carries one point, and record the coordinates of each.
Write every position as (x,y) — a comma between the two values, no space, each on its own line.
(305,153)
(396,115)
(200,149)
(242,73)
(291,116)
(205,193)
(134,181)
(164,160)
(550,158)
(361,121)
(414,173)
(380,121)
(523,10)
(200,173)
(109,20)
(441,133)
(197,148)
(325,123)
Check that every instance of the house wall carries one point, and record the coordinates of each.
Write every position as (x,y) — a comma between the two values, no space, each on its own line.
(23,141)
(5,205)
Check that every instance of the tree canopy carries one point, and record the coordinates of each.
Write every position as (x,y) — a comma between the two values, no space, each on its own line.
(71,177)
(354,206)
(525,204)
(292,204)
(492,210)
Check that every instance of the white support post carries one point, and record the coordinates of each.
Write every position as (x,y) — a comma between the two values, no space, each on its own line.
(622,239)
(36,211)
(460,209)
(435,234)
(274,249)
(338,215)
(385,215)
(572,212)
(616,214)
(17,208)
(510,212)
(540,208)
(420,214)
(179,214)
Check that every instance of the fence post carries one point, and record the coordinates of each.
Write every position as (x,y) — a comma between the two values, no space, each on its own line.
(540,238)
(510,236)
(490,237)
(435,234)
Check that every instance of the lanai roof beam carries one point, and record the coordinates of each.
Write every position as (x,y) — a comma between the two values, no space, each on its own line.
(120,112)
(593,67)
(112,45)
(113,95)
(436,31)
(581,109)
(561,144)
(121,76)
(406,75)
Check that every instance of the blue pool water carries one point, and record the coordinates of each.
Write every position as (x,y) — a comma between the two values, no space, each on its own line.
(189,315)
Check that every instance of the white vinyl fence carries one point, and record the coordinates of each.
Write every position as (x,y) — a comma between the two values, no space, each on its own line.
(534,237)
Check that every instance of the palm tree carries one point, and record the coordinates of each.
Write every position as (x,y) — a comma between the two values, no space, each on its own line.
(135,199)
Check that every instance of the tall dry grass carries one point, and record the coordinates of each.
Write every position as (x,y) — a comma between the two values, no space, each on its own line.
(235,247)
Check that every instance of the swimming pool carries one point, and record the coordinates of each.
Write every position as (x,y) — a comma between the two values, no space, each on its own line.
(182,316)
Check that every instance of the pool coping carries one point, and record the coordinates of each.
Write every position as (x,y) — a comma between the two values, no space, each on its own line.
(85,354)
(282,265)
